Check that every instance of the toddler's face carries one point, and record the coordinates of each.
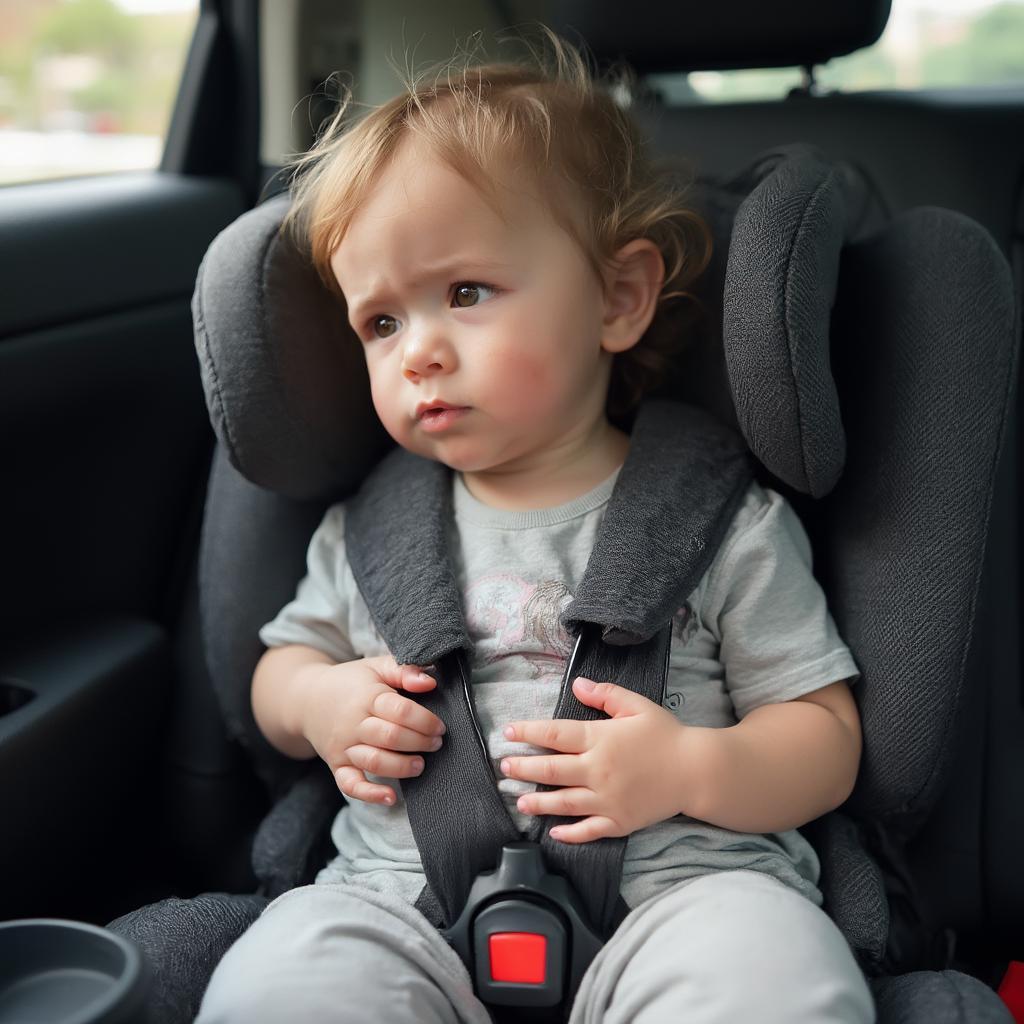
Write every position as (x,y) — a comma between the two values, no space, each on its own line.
(497,319)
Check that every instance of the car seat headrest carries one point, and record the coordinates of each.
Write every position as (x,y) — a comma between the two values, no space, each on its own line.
(288,392)
(723,35)
(285,380)
(780,287)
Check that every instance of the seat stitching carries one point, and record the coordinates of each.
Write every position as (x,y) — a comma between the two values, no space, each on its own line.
(798,234)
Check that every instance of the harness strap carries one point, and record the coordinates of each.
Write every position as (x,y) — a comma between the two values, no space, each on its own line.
(595,868)
(452,863)
(683,479)
(454,806)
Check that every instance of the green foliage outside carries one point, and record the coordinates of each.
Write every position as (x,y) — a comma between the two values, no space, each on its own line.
(992,52)
(139,59)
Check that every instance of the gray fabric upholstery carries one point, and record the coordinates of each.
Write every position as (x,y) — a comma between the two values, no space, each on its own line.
(853,888)
(182,941)
(293,842)
(779,289)
(284,377)
(937,997)
(252,553)
(926,351)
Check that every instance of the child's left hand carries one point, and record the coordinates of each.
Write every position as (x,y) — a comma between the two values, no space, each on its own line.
(626,772)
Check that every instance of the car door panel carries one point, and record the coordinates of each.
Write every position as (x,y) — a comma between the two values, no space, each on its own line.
(106,447)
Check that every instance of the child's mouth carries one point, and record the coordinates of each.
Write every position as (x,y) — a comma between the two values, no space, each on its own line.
(436,420)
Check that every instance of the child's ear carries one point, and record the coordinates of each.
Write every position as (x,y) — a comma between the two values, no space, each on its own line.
(632,285)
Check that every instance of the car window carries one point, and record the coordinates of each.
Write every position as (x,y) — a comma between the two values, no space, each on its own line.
(927,44)
(308,62)
(87,86)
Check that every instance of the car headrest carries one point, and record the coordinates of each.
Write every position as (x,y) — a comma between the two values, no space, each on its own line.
(654,36)
(288,392)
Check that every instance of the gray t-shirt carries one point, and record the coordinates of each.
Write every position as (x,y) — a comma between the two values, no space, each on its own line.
(755,631)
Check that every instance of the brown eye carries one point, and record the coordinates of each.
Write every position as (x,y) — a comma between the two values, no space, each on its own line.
(467,295)
(384,326)
(472,294)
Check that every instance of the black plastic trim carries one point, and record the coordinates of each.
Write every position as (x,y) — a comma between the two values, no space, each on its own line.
(215,125)
(89,246)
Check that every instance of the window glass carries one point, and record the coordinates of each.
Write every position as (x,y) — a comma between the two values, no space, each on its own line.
(87,86)
(927,44)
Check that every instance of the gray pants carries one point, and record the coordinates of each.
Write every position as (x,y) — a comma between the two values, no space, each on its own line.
(731,946)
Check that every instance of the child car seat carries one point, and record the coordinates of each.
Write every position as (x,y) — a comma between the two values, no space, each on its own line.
(869,368)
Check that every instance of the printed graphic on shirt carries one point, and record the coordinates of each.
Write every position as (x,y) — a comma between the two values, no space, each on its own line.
(684,625)
(507,614)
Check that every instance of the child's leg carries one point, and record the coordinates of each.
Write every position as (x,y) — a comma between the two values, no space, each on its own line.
(731,946)
(340,953)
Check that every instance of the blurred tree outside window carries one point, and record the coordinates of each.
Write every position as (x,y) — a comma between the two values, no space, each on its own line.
(87,86)
(927,44)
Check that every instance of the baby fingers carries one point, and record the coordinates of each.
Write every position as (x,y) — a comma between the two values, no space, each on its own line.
(387,763)
(562,734)
(586,831)
(354,784)
(549,769)
(569,803)
(417,734)
(412,677)
(401,677)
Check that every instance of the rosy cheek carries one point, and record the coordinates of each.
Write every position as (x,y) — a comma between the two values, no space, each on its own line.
(522,373)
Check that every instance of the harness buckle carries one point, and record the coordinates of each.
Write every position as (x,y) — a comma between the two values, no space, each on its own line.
(523,933)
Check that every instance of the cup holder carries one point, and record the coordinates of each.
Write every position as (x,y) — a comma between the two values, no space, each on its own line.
(67,972)
(14,694)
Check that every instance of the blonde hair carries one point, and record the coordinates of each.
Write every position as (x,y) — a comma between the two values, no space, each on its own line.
(548,116)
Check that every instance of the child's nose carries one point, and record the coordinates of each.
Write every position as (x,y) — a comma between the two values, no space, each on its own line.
(426,355)
(416,370)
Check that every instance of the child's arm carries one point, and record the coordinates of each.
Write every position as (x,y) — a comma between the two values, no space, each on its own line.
(278,683)
(782,766)
(348,713)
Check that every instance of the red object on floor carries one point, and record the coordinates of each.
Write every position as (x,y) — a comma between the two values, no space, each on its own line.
(1011,990)
(518,956)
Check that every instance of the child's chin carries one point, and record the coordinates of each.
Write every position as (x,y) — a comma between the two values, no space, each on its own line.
(461,464)
(458,456)
(462,460)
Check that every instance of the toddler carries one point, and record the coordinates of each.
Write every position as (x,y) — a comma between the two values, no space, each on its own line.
(504,254)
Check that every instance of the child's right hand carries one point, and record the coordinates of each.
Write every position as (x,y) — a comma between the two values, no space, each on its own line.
(357,723)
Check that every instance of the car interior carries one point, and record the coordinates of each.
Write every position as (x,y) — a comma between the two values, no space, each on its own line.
(870,244)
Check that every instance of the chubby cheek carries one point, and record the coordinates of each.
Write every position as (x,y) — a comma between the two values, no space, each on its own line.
(522,381)
(388,411)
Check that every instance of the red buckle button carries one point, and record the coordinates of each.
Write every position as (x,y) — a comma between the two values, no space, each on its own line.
(518,956)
